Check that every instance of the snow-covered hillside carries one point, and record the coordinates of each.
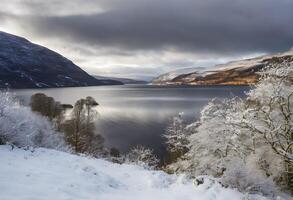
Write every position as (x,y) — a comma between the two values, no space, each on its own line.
(43,174)
(239,72)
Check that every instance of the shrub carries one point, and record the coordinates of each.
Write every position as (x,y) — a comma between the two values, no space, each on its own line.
(140,155)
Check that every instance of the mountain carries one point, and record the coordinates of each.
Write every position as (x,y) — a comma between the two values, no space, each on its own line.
(167,77)
(242,72)
(123,80)
(27,65)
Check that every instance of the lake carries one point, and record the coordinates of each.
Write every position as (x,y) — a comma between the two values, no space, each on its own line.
(130,115)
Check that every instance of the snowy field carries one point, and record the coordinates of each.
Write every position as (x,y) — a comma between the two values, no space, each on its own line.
(45,174)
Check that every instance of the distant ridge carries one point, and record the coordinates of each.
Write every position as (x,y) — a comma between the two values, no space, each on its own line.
(27,65)
(241,72)
(123,80)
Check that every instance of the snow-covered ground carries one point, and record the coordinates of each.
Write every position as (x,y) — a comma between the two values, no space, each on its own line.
(44,174)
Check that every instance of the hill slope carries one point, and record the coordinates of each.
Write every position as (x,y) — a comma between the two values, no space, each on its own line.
(27,65)
(242,72)
(45,174)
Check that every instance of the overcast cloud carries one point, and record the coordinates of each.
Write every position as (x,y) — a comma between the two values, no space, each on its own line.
(144,38)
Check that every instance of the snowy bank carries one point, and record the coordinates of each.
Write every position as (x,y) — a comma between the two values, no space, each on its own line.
(44,174)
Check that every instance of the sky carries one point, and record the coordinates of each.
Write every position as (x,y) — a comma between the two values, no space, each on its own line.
(145,38)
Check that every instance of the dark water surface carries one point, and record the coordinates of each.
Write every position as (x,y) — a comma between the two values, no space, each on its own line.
(138,114)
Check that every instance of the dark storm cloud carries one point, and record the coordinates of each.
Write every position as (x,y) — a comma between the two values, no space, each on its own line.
(143,38)
(214,26)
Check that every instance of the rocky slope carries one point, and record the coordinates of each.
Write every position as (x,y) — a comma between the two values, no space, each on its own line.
(241,72)
(27,65)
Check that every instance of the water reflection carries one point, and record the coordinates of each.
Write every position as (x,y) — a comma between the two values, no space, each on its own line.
(137,114)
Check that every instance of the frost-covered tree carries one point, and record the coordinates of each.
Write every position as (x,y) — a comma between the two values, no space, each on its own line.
(176,137)
(267,116)
(247,142)
(209,142)
(21,127)
(216,149)
(270,112)
(142,156)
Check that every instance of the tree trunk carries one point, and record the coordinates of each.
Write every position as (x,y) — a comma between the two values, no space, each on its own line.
(289,176)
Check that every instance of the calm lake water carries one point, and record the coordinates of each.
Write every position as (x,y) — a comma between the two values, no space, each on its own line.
(130,115)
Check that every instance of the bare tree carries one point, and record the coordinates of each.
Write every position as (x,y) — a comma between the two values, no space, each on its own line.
(80,128)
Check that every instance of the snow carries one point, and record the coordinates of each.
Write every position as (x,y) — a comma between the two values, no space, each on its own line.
(43,174)
(248,63)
